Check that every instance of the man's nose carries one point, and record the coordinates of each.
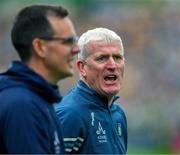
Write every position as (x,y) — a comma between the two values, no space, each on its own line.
(111,63)
(75,49)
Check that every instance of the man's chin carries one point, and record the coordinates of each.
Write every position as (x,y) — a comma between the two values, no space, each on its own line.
(112,92)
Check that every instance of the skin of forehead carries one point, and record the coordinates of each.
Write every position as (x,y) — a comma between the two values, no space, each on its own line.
(94,44)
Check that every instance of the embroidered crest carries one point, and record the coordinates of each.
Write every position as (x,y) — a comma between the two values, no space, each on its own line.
(119,129)
(100,130)
(101,134)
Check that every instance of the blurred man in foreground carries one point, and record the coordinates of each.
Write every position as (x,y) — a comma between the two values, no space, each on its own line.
(45,40)
(92,122)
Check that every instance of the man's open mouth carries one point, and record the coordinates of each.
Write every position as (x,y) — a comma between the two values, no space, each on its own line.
(110,78)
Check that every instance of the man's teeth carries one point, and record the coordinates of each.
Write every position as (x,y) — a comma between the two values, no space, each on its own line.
(110,78)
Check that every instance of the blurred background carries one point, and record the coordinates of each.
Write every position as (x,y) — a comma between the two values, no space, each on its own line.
(150,30)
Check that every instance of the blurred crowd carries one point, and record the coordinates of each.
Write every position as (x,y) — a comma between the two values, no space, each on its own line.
(151,88)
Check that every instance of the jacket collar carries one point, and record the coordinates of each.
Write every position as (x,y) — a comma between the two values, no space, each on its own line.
(20,75)
(93,96)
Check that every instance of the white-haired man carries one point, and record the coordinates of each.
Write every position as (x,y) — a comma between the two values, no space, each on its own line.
(92,122)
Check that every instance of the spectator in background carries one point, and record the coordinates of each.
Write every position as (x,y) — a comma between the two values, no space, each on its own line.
(45,40)
(92,122)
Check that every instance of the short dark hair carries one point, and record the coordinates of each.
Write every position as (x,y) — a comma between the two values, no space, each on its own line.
(32,22)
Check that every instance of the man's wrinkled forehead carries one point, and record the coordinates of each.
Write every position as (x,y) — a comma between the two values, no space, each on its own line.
(93,45)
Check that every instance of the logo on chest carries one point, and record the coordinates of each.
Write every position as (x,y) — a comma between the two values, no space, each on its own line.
(101,134)
(99,129)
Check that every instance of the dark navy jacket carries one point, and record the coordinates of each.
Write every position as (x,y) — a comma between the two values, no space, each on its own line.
(28,122)
(89,125)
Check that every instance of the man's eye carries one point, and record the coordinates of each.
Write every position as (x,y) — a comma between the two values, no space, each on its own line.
(118,58)
(68,41)
(101,59)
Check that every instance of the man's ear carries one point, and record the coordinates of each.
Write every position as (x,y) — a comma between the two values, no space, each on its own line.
(81,67)
(39,47)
